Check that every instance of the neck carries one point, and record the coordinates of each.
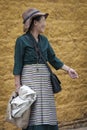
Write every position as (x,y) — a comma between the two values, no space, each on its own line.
(35,34)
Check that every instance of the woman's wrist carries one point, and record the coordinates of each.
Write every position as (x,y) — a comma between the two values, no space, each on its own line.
(17,81)
(17,84)
(66,68)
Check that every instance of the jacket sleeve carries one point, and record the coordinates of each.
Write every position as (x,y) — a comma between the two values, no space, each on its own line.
(18,57)
(52,59)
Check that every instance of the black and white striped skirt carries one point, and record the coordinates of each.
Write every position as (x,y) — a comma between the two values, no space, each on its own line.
(43,110)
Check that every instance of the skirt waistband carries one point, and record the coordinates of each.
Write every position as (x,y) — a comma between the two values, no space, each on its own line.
(35,68)
(27,65)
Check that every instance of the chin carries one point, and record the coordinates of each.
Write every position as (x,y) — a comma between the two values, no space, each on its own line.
(41,31)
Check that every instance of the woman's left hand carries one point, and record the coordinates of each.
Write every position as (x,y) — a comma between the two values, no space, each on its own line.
(72,73)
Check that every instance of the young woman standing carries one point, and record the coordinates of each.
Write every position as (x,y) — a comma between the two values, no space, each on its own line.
(29,69)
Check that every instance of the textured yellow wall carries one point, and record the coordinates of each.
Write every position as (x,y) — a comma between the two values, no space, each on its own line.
(66,30)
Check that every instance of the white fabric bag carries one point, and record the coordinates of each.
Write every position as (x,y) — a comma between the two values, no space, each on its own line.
(18,109)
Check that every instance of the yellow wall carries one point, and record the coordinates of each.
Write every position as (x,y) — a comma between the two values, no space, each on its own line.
(66,30)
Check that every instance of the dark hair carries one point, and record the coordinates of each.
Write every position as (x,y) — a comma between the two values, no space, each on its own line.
(37,18)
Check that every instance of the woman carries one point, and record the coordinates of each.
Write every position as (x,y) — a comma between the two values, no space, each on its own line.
(29,69)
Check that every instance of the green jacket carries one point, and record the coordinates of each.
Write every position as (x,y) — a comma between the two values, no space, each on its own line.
(26,54)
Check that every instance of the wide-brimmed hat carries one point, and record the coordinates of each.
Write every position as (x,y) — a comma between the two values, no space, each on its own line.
(28,15)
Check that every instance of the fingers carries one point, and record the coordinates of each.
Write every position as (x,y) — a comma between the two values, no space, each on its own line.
(73,74)
(17,89)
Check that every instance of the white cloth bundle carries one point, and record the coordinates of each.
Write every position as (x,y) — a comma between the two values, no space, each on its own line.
(18,109)
(23,102)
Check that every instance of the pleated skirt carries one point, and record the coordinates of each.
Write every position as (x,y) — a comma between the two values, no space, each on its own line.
(43,110)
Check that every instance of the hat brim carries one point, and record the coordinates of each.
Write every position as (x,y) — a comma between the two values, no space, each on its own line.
(40,14)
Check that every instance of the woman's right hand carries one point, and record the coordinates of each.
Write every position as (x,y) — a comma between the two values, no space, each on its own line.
(17,86)
(17,83)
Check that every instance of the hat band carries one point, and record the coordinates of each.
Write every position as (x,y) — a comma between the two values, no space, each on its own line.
(30,16)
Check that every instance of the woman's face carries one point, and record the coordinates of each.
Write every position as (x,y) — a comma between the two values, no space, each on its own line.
(40,25)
